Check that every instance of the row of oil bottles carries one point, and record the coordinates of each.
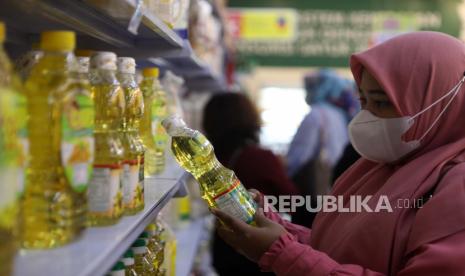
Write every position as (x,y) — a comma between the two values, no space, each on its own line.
(153,253)
(77,137)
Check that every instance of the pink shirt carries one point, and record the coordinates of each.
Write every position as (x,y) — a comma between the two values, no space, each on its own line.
(356,244)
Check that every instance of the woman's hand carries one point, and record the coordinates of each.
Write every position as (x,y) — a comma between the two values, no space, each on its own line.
(257,197)
(250,241)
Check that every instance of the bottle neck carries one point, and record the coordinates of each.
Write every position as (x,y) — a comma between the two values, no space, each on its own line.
(103,76)
(127,80)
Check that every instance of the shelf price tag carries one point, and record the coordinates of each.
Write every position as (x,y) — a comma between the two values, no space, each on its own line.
(136,18)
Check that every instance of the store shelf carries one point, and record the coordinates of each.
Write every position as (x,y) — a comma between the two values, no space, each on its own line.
(99,248)
(96,28)
(188,241)
(197,74)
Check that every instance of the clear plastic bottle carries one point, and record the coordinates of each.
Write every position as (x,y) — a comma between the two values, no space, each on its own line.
(142,264)
(77,146)
(104,191)
(219,186)
(11,158)
(128,260)
(153,134)
(51,215)
(133,165)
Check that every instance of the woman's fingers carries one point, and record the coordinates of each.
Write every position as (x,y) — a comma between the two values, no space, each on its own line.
(260,219)
(232,223)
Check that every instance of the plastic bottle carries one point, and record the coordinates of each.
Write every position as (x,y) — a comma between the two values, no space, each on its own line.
(104,191)
(128,260)
(11,158)
(117,270)
(77,126)
(133,165)
(155,110)
(142,264)
(51,214)
(219,186)
(26,62)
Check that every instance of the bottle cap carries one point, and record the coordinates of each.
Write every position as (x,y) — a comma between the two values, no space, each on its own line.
(139,243)
(144,235)
(174,125)
(57,41)
(126,65)
(128,254)
(153,72)
(2,32)
(103,60)
(83,64)
(118,266)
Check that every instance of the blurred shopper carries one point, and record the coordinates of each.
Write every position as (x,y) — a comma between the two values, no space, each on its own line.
(411,138)
(321,137)
(232,124)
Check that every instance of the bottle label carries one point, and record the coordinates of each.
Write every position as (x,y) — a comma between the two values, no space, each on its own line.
(77,149)
(141,171)
(104,191)
(233,201)
(130,181)
(12,152)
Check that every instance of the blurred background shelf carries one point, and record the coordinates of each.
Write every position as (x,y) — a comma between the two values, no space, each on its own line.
(197,74)
(188,241)
(99,248)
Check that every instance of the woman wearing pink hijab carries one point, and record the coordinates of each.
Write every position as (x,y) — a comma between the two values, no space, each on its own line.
(411,136)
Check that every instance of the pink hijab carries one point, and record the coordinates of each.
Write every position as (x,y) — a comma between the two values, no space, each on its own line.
(415,70)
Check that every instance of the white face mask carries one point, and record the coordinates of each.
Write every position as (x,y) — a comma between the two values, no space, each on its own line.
(380,139)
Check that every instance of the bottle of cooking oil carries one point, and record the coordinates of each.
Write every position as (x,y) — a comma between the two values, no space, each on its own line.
(77,147)
(128,260)
(153,134)
(219,186)
(117,270)
(142,264)
(51,211)
(133,165)
(156,246)
(26,62)
(11,158)
(104,191)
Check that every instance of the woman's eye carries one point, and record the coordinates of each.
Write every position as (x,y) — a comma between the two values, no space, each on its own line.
(382,104)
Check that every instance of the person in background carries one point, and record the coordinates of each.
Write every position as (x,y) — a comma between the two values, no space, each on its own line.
(322,136)
(232,124)
(411,138)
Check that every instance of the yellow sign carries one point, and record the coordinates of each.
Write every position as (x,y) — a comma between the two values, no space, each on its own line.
(264,24)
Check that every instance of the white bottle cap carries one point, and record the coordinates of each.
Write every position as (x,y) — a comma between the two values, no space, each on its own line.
(174,125)
(126,65)
(83,64)
(103,60)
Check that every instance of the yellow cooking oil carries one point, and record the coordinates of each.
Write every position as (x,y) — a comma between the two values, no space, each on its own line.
(51,215)
(152,132)
(219,186)
(77,146)
(133,164)
(142,265)
(104,189)
(128,260)
(11,157)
